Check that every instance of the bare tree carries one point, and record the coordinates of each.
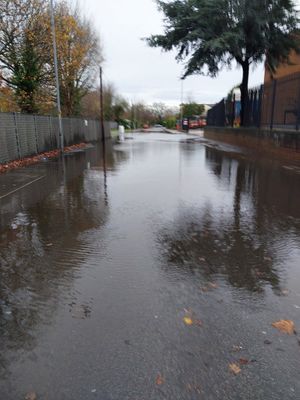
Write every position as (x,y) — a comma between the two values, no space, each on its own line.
(79,56)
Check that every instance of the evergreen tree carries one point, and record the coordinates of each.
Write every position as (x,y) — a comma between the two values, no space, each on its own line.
(212,34)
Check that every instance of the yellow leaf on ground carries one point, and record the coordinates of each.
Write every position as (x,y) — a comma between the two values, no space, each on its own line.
(188,320)
(235,368)
(285,326)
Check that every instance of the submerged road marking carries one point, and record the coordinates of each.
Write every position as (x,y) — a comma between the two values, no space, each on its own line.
(22,187)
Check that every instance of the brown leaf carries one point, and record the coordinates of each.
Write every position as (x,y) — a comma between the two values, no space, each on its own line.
(243,361)
(213,285)
(159,380)
(31,396)
(237,348)
(198,322)
(205,289)
(285,326)
(235,368)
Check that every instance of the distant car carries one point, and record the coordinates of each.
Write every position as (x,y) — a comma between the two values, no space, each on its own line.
(157,128)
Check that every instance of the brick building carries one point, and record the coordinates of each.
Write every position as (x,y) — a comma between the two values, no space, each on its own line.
(281,95)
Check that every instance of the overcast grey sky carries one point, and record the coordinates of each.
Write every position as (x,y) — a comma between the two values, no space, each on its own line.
(143,73)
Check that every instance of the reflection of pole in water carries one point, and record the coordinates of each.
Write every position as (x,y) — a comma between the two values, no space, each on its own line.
(104,173)
(102,107)
(63,163)
(103,136)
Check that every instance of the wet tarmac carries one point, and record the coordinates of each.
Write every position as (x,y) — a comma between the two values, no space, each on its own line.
(153,272)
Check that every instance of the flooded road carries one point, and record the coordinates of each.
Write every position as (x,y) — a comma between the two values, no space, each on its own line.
(154,272)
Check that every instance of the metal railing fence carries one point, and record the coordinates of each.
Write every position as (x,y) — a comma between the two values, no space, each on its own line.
(276,104)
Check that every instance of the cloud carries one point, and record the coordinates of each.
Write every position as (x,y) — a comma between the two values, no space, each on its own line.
(143,73)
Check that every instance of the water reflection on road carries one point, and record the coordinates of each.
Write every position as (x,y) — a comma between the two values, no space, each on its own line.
(101,261)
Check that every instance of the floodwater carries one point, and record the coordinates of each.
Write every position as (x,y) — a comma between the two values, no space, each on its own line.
(145,273)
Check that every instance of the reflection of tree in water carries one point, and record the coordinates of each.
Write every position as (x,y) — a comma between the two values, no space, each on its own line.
(241,244)
(273,188)
(42,250)
(200,244)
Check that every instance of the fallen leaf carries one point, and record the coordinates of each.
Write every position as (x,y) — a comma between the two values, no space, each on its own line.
(192,387)
(159,380)
(285,326)
(205,289)
(213,285)
(234,368)
(31,396)
(237,348)
(188,320)
(243,361)
(198,322)
(189,387)
(285,292)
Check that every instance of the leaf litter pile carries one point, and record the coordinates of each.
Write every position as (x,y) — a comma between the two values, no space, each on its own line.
(38,158)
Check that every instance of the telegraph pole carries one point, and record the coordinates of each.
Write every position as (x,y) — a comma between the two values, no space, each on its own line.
(101,106)
(61,132)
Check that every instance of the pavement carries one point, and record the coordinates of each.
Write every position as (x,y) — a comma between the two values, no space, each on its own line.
(156,269)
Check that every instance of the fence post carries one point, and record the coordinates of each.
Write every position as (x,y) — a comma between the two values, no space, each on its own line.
(273,103)
(36,135)
(260,104)
(233,111)
(50,130)
(223,113)
(17,135)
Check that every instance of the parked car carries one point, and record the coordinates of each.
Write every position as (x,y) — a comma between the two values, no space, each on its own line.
(157,128)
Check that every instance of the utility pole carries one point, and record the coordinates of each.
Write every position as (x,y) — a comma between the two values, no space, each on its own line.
(101,106)
(61,132)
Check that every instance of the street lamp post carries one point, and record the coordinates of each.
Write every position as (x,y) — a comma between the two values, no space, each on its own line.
(61,132)
(181,105)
